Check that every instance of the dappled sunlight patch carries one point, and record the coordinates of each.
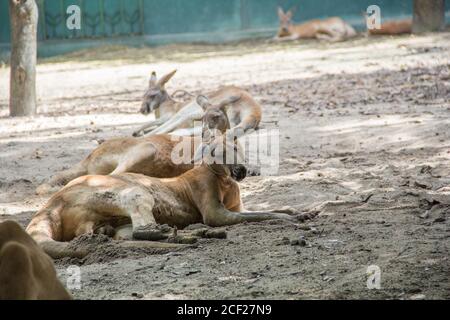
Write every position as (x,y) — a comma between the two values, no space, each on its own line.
(12,209)
(13,126)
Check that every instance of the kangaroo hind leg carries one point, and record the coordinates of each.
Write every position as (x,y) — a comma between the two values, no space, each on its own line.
(142,153)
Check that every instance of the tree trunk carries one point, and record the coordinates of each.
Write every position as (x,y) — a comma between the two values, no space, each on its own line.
(429,15)
(24,21)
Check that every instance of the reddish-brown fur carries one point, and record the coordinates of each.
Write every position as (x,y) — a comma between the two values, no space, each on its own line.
(393,28)
(150,155)
(333,28)
(26,272)
(206,194)
(244,113)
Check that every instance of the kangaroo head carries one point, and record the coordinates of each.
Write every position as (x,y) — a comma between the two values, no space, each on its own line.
(215,119)
(156,93)
(224,156)
(285,22)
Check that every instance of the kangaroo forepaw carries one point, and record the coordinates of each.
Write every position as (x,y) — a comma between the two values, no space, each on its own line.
(182,239)
(138,134)
(209,233)
(152,232)
(296,215)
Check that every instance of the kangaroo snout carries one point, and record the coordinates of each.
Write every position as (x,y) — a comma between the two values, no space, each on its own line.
(145,108)
(239,172)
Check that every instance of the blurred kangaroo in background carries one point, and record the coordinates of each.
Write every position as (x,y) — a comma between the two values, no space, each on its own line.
(331,29)
(26,271)
(393,27)
(375,26)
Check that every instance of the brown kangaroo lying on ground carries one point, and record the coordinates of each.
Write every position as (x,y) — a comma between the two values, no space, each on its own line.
(207,194)
(26,272)
(244,114)
(332,29)
(393,27)
(150,155)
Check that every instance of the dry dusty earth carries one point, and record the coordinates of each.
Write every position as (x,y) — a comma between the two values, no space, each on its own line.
(365,142)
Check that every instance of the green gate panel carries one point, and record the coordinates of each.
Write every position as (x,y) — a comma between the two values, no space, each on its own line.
(132,17)
(92,19)
(54,19)
(181,16)
(4,22)
(121,17)
(100,18)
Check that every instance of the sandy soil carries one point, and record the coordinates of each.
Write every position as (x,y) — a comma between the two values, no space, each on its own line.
(365,143)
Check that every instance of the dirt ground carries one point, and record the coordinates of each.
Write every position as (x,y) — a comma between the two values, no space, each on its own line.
(365,142)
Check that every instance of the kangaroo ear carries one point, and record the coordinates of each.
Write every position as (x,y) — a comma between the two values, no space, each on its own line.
(166,78)
(228,101)
(203,102)
(280,13)
(152,81)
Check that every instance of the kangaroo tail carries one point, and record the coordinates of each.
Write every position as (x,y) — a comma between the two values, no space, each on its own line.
(53,248)
(45,230)
(58,250)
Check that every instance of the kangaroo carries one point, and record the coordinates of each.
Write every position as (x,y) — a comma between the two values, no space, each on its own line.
(150,155)
(208,193)
(332,29)
(393,27)
(244,114)
(157,99)
(26,272)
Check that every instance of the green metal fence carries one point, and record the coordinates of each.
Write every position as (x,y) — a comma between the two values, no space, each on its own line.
(109,19)
(100,18)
